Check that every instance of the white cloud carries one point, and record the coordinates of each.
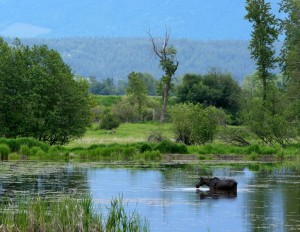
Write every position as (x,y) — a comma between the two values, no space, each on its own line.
(24,30)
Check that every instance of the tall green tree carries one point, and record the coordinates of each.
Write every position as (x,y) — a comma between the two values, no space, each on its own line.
(265,33)
(39,96)
(291,28)
(136,91)
(150,82)
(290,54)
(169,64)
(213,89)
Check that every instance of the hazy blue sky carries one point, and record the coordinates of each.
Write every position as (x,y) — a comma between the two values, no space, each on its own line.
(194,19)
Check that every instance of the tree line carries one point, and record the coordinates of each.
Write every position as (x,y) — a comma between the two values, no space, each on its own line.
(267,105)
(40,97)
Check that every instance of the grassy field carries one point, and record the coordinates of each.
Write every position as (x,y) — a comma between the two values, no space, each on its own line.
(126,133)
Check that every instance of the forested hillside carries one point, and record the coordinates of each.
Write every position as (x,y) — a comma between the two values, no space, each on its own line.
(117,57)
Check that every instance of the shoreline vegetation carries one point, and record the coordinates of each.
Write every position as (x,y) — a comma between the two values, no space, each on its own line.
(68,214)
(141,143)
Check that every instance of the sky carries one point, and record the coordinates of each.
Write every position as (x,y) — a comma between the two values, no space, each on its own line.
(191,19)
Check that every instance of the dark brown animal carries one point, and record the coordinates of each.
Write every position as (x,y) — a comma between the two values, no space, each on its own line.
(217,185)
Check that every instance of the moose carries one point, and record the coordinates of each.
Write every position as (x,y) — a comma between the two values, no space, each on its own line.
(218,186)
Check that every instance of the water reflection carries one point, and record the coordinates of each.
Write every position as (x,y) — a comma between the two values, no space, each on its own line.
(268,197)
(47,179)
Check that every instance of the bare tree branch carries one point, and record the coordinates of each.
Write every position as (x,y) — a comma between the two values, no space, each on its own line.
(154,47)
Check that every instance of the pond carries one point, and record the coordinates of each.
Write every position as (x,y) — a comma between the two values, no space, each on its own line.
(268,197)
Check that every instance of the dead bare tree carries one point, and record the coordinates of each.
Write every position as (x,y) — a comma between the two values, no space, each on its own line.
(169,65)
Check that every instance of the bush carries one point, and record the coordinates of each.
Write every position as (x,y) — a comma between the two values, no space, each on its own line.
(253,156)
(15,144)
(194,124)
(4,151)
(25,150)
(156,137)
(167,146)
(14,156)
(235,135)
(145,147)
(109,122)
(255,148)
(152,156)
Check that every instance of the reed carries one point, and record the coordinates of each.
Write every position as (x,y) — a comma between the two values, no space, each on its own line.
(66,214)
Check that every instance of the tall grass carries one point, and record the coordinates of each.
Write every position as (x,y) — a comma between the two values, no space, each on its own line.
(119,220)
(67,214)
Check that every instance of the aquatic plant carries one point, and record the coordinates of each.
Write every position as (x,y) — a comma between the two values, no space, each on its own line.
(4,151)
(67,214)
(120,220)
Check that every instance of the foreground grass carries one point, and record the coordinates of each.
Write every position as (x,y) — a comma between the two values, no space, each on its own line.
(68,214)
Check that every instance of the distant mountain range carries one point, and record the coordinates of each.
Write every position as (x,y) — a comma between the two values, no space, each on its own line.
(108,38)
(117,57)
(189,19)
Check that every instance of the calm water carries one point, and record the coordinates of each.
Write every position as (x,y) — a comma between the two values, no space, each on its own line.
(268,197)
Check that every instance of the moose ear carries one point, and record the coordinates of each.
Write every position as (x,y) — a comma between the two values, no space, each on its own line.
(201,178)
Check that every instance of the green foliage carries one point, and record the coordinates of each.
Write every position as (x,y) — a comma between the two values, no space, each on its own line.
(152,156)
(238,136)
(4,151)
(213,89)
(68,214)
(253,156)
(145,147)
(167,146)
(272,120)
(125,111)
(168,64)
(265,33)
(120,220)
(194,124)
(109,122)
(39,96)
(290,54)
(150,82)
(136,92)
(25,150)
(15,144)
(14,156)
(104,87)
(156,136)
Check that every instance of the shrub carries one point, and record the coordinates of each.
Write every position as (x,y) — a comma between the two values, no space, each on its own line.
(255,148)
(120,220)
(194,124)
(152,156)
(15,144)
(156,137)
(145,147)
(235,135)
(202,157)
(4,151)
(109,122)
(253,156)
(14,156)
(167,146)
(25,150)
